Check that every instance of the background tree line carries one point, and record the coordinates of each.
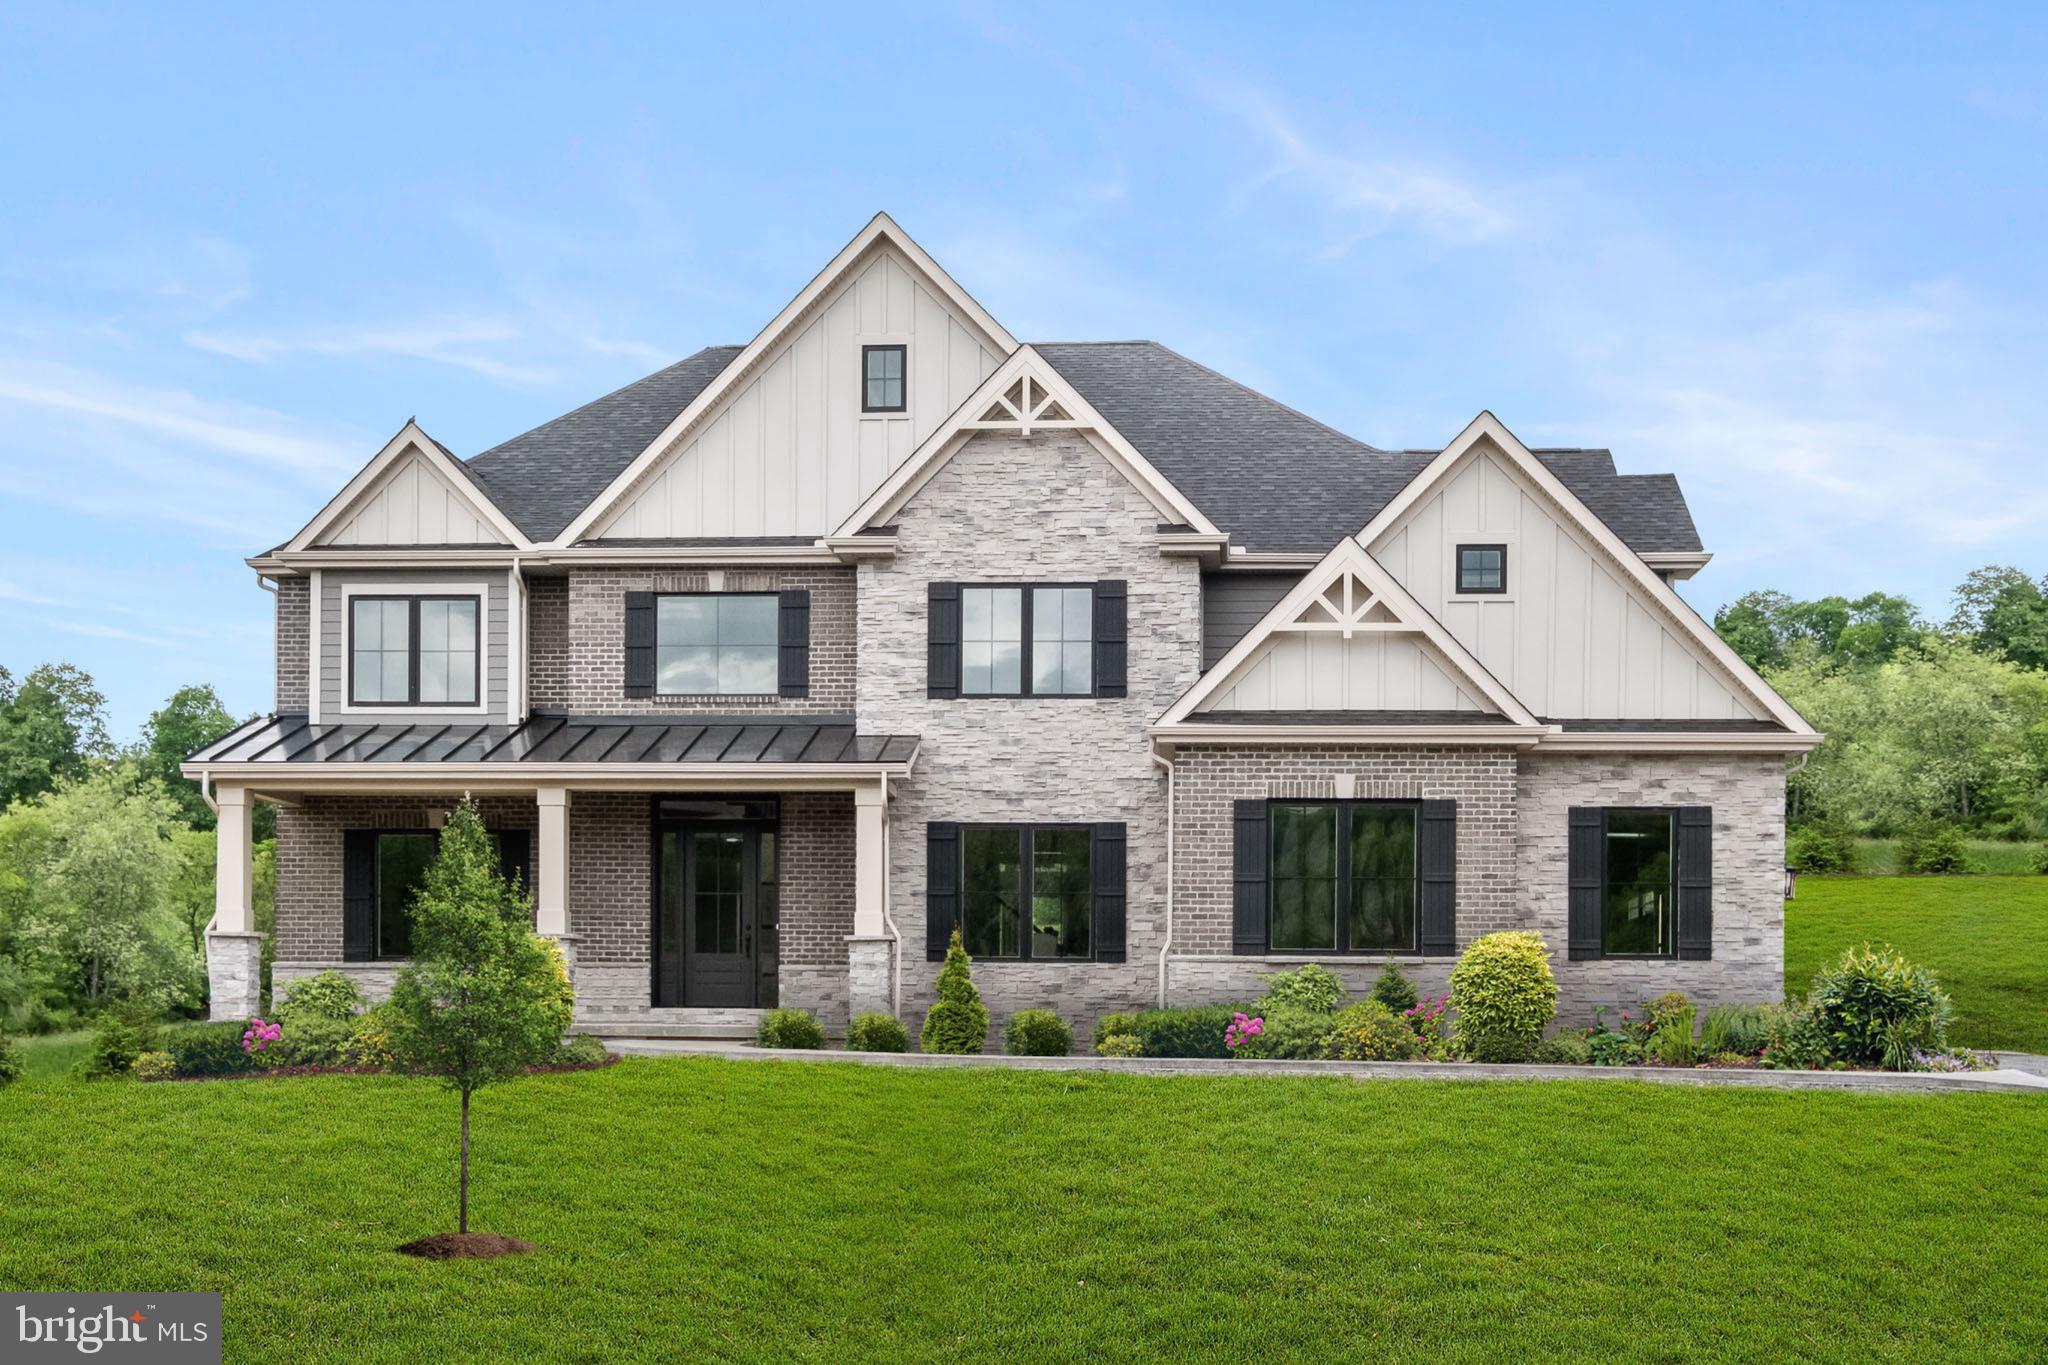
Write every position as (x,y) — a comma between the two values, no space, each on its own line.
(106,854)
(1927,723)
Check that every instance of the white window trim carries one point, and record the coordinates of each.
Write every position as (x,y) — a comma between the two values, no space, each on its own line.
(479,589)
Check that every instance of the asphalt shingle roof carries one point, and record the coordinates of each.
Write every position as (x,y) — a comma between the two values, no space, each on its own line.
(544,478)
(1275,479)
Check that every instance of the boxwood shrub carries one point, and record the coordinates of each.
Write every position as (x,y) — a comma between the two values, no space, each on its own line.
(1037,1033)
(1193,1031)
(209,1050)
(790,1028)
(877,1032)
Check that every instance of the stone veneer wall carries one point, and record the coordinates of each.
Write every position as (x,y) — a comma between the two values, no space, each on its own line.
(1747,793)
(594,656)
(1046,508)
(1207,781)
(294,633)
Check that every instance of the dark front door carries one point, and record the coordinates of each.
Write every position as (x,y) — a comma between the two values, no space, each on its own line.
(715,909)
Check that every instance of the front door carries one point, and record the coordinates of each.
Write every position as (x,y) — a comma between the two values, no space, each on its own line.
(715,903)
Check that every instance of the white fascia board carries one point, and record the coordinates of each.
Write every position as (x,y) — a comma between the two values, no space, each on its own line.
(456,777)
(1489,428)
(1350,556)
(410,437)
(880,228)
(1674,742)
(1677,563)
(1436,736)
(954,433)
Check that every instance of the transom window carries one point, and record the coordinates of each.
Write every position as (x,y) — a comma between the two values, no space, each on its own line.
(413,651)
(1344,877)
(1025,891)
(1639,893)
(882,388)
(716,643)
(1482,568)
(1036,641)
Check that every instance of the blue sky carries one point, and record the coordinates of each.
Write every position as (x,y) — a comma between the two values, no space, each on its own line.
(1795,257)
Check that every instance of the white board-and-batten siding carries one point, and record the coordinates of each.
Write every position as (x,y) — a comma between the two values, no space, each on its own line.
(790,452)
(413,504)
(1571,637)
(1323,671)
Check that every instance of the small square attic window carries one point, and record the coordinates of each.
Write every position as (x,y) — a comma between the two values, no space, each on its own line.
(882,388)
(1482,568)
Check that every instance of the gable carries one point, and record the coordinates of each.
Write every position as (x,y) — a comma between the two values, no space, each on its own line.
(412,503)
(786,449)
(1348,638)
(1574,636)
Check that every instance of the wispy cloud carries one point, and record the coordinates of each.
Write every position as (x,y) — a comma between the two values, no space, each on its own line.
(230,428)
(462,344)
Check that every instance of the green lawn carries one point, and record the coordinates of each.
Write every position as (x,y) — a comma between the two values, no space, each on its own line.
(1987,937)
(693,1209)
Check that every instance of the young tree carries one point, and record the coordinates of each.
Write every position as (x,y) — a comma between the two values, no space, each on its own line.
(484,996)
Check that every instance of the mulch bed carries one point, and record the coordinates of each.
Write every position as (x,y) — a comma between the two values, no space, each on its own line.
(465,1246)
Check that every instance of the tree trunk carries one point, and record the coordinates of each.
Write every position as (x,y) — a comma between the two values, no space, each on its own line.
(462,1224)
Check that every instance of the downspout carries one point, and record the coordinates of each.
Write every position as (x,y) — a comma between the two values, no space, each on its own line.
(889,920)
(515,685)
(1167,946)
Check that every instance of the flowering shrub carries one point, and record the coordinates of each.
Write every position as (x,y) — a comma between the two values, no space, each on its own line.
(1426,1019)
(1953,1059)
(1241,1027)
(259,1035)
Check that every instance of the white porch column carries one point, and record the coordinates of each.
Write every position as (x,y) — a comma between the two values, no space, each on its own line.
(234,950)
(868,957)
(551,864)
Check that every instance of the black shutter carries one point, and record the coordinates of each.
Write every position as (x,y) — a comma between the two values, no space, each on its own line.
(639,644)
(942,660)
(1585,869)
(794,675)
(941,887)
(358,895)
(1436,857)
(1248,882)
(1112,629)
(515,857)
(1107,859)
(1696,882)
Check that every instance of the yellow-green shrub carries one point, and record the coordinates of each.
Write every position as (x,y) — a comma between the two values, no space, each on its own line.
(1504,996)
(1369,1032)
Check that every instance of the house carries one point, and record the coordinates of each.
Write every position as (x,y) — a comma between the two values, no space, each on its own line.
(775,667)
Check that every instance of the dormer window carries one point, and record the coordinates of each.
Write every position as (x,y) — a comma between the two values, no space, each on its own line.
(882,387)
(1482,568)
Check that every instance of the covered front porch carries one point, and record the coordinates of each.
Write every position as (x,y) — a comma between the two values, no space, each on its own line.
(694,872)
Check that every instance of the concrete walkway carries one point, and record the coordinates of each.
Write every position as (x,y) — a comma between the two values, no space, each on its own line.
(2005,1079)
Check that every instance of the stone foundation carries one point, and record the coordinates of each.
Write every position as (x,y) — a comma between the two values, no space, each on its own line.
(234,974)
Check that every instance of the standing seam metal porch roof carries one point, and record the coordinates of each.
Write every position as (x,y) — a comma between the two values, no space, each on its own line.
(290,737)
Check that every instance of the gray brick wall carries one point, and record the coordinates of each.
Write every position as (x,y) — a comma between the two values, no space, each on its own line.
(595,682)
(294,631)
(1747,793)
(1046,508)
(548,670)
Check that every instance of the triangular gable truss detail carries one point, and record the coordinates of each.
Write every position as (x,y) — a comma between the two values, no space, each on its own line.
(880,229)
(1024,394)
(411,443)
(1349,594)
(1486,427)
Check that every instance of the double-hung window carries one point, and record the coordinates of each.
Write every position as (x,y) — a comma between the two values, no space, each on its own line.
(1027,641)
(1344,877)
(1026,891)
(716,644)
(413,651)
